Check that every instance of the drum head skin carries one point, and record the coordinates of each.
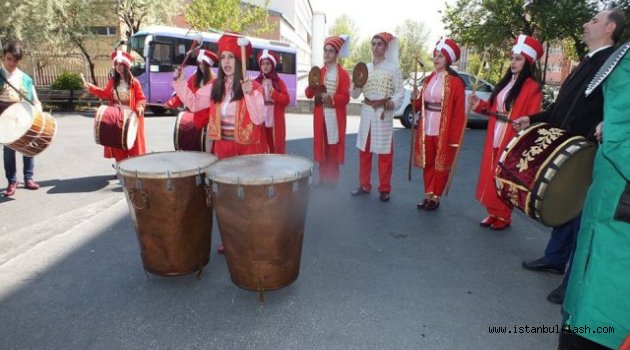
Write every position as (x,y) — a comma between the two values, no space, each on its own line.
(360,74)
(166,164)
(314,77)
(15,121)
(132,130)
(260,169)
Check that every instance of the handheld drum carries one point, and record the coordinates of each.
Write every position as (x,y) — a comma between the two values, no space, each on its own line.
(546,173)
(25,129)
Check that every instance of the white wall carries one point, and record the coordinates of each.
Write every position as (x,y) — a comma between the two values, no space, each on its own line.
(319,35)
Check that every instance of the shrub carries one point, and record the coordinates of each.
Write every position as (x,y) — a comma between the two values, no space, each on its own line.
(68,81)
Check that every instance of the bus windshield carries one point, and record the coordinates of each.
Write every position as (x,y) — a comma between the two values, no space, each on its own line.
(167,48)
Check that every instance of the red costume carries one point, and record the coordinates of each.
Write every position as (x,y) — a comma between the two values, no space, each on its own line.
(277,99)
(330,156)
(527,102)
(201,116)
(136,102)
(236,127)
(436,153)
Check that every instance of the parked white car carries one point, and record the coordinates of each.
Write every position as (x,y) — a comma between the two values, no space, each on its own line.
(474,119)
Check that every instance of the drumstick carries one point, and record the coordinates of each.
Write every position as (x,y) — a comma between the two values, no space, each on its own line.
(18,91)
(499,116)
(243,42)
(197,41)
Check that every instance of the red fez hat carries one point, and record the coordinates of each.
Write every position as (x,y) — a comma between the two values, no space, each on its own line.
(528,47)
(123,57)
(268,54)
(449,48)
(232,43)
(207,56)
(385,36)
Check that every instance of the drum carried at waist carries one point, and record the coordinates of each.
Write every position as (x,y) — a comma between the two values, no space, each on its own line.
(115,126)
(260,203)
(186,137)
(25,129)
(546,173)
(168,198)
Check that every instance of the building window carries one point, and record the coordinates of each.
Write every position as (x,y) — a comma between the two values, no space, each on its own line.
(104,31)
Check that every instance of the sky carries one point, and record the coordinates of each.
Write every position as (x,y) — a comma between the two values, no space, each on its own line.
(372,17)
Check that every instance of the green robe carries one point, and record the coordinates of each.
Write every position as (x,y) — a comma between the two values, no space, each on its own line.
(598,294)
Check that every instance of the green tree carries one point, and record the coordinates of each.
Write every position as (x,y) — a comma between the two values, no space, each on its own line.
(361,53)
(136,13)
(412,38)
(495,23)
(345,25)
(228,15)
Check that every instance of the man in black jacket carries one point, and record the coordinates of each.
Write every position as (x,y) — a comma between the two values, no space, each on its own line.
(579,115)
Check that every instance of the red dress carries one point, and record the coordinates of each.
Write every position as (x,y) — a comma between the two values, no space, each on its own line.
(528,102)
(276,135)
(136,98)
(436,154)
(330,156)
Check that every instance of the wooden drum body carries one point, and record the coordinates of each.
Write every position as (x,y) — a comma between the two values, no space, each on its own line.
(186,137)
(115,126)
(546,173)
(260,203)
(26,130)
(169,204)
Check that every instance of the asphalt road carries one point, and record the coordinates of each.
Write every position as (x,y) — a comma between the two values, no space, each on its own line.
(373,275)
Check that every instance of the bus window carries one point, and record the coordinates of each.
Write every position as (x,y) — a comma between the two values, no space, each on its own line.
(160,59)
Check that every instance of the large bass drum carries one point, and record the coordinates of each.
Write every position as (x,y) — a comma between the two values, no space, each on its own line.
(115,126)
(169,204)
(546,173)
(186,137)
(260,203)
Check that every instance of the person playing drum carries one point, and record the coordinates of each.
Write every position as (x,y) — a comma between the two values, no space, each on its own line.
(122,88)
(383,94)
(202,77)
(329,119)
(518,93)
(276,100)
(11,74)
(441,126)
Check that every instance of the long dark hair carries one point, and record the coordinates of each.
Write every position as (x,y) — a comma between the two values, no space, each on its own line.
(218,88)
(202,75)
(529,71)
(452,72)
(126,75)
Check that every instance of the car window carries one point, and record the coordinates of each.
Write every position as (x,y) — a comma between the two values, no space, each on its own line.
(466,79)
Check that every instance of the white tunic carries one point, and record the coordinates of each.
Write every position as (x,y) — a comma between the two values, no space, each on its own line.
(384,81)
(330,114)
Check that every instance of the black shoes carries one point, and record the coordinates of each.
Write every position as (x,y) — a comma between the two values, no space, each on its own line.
(359,192)
(557,295)
(384,197)
(543,264)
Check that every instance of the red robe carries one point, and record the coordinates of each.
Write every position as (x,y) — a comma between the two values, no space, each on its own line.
(528,102)
(136,98)
(201,117)
(452,127)
(279,131)
(340,99)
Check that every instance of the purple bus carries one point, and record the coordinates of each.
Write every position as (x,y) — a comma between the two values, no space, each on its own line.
(158,50)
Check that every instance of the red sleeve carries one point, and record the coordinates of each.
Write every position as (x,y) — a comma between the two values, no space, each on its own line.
(173,102)
(309,92)
(281,97)
(342,95)
(104,93)
(458,118)
(139,94)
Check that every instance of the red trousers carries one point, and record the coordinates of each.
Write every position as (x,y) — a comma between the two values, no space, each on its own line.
(434,180)
(225,149)
(329,167)
(385,164)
